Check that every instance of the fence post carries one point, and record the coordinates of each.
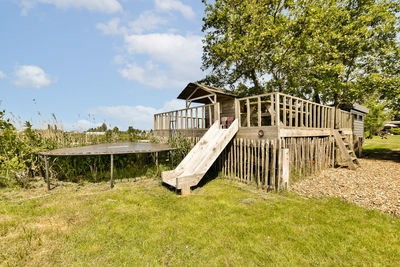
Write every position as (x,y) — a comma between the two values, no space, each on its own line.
(277,109)
(285,168)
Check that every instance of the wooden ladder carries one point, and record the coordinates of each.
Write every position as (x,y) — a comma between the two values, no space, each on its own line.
(346,150)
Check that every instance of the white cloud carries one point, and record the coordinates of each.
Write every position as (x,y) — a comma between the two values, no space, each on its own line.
(2,75)
(174,5)
(31,76)
(140,117)
(145,22)
(112,27)
(103,6)
(173,59)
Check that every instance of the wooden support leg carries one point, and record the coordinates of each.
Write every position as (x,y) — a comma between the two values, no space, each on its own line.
(46,163)
(185,190)
(112,171)
(156,159)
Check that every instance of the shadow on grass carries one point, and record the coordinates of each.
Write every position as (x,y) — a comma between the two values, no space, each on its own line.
(382,154)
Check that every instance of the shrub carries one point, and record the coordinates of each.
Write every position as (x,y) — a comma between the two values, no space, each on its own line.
(396,131)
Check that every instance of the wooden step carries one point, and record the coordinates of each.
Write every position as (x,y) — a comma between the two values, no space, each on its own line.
(345,150)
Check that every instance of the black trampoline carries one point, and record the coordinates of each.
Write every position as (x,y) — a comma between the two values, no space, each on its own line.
(106,149)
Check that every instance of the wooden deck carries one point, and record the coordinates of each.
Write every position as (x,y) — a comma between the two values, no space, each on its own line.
(266,116)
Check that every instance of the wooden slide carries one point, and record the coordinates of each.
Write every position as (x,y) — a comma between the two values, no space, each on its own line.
(199,160)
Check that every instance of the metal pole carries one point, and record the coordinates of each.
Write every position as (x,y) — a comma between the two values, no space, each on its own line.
(112,170)
(46,163)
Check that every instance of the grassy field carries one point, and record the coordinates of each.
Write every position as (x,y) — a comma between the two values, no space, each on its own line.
(222,223)
(377,144)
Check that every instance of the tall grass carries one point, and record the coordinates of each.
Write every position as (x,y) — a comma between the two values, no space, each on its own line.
(19,144)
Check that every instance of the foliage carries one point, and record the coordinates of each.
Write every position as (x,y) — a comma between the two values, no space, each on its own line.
(226,223)
(375,119)
(101,128)
(182,144)
(395,131)
(19,161)
(331,51)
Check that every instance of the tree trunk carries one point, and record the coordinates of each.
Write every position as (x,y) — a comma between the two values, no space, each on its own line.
(255,79)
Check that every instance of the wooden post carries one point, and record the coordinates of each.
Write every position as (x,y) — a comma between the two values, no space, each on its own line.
(259,111)
(296,119)
(277,107)
(248,112)
(284,112)
(112,171)
(237,111)
(46,163)
(156,159)
(285,168)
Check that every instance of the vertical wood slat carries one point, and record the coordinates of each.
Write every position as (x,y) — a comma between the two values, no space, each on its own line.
(263,180)
(258,156)
(248,112)
(241,159)
(273,110)
(296,119)
(277,108)
(291,112)
(301,113)
(273,165)
(259,111)
(284,111)
(248,162)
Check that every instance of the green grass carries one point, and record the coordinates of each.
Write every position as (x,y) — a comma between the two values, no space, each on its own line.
(377,144)
(223,223)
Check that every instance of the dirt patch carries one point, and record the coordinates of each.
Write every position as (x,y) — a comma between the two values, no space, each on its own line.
(375,185)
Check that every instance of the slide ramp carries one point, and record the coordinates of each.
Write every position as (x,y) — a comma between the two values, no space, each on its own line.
(199,160)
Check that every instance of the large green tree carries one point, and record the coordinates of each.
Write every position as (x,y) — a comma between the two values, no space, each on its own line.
(335,51)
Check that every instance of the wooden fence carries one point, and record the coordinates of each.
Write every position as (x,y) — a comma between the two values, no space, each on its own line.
(308,155)
(200,117)
(277,109)
(259,162)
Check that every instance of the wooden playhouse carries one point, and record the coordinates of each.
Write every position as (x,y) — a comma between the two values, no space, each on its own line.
(261,139)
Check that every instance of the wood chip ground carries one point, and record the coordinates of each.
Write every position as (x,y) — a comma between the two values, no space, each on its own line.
(375,185)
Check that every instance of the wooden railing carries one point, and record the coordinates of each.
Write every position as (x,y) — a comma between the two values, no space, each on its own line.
(277,109)
(344,119)
(200,117)
(273,109)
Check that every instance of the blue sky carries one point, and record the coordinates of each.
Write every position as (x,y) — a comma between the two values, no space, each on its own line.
(90,61)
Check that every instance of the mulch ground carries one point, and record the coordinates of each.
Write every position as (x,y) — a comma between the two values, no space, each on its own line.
(375,185)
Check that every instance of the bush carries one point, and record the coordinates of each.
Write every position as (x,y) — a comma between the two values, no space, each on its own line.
(396,131)
(19,161)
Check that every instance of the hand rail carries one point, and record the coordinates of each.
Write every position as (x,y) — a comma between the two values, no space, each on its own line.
(199,117)
(277,109)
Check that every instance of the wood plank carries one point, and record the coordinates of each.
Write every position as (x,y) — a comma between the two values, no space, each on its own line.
(284,111)
(273,164)
(291,112)
(296,119)
(259,111)
(267,176)
(248,112)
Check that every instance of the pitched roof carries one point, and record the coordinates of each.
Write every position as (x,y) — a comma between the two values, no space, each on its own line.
(204,90)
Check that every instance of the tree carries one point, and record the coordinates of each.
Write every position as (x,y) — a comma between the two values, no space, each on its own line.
(329,51)
(375,119)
